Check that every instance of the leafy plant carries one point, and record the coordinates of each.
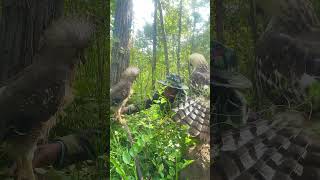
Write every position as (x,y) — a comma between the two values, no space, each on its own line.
(159,144)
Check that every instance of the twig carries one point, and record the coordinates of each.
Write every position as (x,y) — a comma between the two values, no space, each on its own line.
(126,127)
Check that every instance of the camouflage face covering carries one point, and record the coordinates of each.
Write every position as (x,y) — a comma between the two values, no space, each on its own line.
(223,58)
(176,82)
(225,66)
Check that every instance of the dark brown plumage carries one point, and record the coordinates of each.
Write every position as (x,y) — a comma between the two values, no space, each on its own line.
(288,51)
(122,89)
(29,101)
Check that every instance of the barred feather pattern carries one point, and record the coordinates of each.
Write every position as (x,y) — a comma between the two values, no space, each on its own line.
(195,113)
(200,76)
(269,151)
(277,86)
(121,90)
(45,89)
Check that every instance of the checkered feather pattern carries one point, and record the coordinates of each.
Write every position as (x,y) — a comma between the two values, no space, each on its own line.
(265,150)
(195,113)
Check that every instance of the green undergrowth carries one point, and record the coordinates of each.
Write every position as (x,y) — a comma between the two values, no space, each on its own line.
(160,145)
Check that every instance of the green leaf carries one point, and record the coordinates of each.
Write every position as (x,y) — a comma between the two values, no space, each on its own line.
(160,168)
(126,157)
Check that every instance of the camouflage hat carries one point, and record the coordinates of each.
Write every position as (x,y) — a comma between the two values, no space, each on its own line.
(174,81)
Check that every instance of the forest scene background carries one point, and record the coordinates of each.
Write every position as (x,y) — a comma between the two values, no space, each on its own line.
(241,28)
(159,144)
(160,147)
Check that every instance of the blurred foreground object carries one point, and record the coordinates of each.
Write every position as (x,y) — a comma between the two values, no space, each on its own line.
(288,52)
(30,100)
(262,149)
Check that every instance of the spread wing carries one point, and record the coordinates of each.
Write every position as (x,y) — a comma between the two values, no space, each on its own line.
(195,113)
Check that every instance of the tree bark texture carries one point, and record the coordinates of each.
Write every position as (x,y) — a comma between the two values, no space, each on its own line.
(219,20)
(22,24)
(154,44)
(179,38)
(121,43)
(164,39)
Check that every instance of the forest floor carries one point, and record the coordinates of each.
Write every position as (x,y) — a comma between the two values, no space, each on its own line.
(81,171)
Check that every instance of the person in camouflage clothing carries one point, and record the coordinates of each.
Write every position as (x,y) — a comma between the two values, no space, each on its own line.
(78,147)
(230,106)
(174,92)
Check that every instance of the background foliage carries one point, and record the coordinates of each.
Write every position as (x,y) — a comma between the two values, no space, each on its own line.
(160,143)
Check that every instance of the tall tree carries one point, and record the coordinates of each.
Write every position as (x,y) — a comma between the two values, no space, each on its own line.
(179,37)
(22,24)
(219,20)
(195,18)
(154,43)
(121,39)
(164,39)
(253,22)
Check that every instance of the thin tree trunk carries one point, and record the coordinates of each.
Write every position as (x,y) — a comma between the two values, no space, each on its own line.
(193,34)
(192,39)
(179,38)
(219,20)
(121,39)
(253,22)
(164,39)
(154,43)
(174,53)
(22,24)
(195,19)
(253,26)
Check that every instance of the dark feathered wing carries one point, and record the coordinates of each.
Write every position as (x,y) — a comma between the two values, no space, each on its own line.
(200,77)
(195,113)
(282,62)
(35,94)
(119,92)
(31,99)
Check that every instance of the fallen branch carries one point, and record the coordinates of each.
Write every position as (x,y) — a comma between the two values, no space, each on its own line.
(126,127)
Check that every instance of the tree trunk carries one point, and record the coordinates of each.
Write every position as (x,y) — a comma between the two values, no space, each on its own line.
(164,39)
(219,20)
(195,20)
(253,27)
(179,38)
(154,43)
(22,24)
(121,39)
(253,22)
